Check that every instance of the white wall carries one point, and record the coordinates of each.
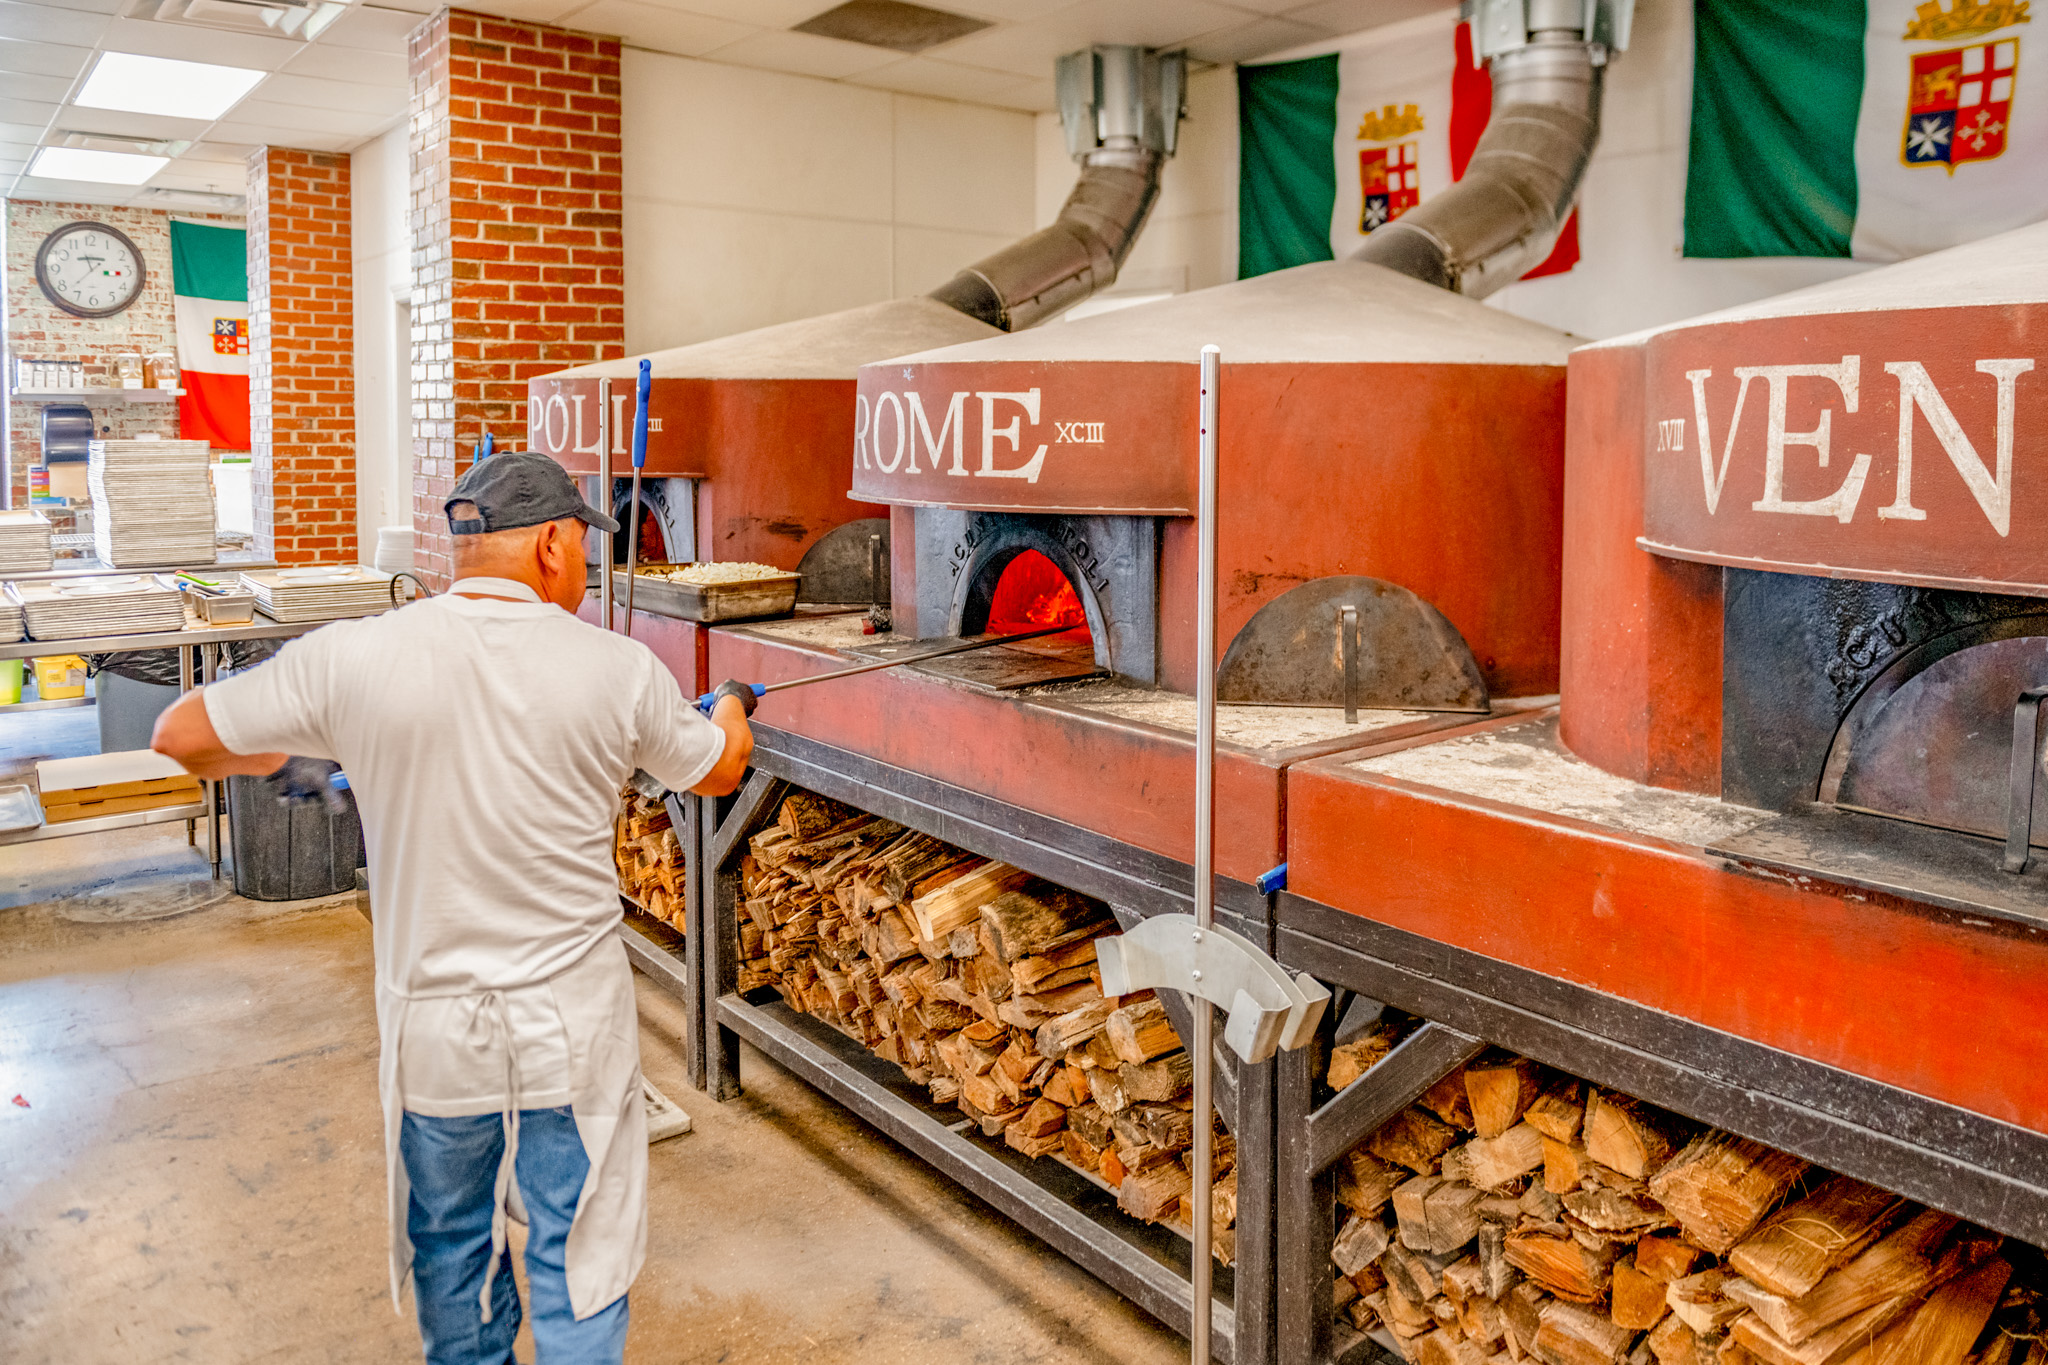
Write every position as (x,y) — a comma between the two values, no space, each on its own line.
(753,197)
(1190,241)
(380,182)
(1632,207)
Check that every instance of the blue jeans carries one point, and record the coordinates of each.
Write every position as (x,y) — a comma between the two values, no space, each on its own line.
(453,1167)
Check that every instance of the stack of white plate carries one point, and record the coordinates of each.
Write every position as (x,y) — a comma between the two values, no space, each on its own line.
(24,541)
(152,502)
(325,592)
(394,549)
(69,608)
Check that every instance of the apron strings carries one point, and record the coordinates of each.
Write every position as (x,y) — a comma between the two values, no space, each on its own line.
(493,1017)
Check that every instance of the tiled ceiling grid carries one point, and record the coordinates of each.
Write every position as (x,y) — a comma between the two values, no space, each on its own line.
(349,84)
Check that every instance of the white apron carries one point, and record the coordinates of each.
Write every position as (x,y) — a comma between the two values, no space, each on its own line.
(591,1007)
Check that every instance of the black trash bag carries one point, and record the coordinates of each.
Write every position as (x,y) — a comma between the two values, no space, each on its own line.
(160,666)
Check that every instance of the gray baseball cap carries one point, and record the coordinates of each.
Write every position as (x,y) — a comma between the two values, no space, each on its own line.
(515,488)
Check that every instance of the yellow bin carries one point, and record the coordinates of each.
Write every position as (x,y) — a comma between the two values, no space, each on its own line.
(60,676)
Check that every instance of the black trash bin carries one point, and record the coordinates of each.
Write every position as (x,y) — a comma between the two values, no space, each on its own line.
(291,852)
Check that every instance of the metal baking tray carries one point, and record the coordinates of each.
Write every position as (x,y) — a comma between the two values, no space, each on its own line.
(748,600)
(19,808)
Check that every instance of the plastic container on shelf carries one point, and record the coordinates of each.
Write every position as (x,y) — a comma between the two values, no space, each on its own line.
(10,681)
(60,677)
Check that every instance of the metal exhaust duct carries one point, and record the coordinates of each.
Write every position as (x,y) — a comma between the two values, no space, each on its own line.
(1121,107)
(1503,218)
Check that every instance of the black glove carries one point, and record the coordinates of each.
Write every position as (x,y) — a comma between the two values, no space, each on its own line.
(732,688)
(307,779)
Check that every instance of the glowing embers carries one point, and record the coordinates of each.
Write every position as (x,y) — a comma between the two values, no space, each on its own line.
(1033,594)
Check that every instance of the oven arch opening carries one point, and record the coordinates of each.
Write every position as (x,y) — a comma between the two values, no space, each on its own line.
(1016,572)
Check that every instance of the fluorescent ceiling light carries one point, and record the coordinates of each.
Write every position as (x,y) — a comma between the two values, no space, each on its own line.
(158,85)
(106,168)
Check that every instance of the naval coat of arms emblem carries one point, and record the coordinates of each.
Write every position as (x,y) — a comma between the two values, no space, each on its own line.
(1959,101)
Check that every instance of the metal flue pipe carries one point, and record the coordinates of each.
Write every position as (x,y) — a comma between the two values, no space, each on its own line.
(1503,218)
(1121,107)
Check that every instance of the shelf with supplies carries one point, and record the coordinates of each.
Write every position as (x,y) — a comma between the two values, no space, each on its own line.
(102,394)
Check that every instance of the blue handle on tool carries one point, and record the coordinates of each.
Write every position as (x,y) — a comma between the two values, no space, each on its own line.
(1269,882)
(641,390)
(705,702)
(485,447)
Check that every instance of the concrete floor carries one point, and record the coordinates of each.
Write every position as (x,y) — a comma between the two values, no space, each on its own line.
(197,1173)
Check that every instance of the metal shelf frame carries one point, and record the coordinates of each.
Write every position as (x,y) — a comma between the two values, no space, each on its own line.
(64,829)
(1049,1200)
(1970,1165)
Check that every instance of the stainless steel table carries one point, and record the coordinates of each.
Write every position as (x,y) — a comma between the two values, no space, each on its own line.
(196,644)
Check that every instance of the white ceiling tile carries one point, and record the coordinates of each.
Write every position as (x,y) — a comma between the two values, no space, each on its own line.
(1245,42)
(1265,6)
(312,93)
(297,118)
(662,28)
(49,89)
(42,59)
(17,150)
(207,177)
(942,80)
(219,152)
(1031,50)
(804,54)
(351,64)
(755,13)
(87,6)
(373,27)
(1349,16)
(528,11)
(42,23)
(26,111)
(1008,11)
(124,124)
(22,132)
(190,44)
(269,134)
(1036,93)
(418,9)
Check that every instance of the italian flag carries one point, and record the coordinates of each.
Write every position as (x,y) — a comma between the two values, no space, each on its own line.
(210,277)
(1875,129)
(1335,143)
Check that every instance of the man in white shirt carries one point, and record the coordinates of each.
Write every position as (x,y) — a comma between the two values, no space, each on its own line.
(486,734)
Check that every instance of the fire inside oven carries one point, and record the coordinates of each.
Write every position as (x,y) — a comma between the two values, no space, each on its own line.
(1025,592)
(1033,594)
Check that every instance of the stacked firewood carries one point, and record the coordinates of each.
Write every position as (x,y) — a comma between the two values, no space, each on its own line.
(979,980)
(649,858)
(1517,1214)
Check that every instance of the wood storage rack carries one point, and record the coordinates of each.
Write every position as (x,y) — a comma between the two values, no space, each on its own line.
(1072,1214)
(1784,1124)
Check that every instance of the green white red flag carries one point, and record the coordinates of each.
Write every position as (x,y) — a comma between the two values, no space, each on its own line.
(210,278)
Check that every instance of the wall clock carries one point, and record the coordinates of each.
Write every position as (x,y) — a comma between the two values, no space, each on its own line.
(90,270)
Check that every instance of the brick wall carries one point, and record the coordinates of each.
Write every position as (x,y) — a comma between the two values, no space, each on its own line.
(38,330)
(302,356)
(518,261)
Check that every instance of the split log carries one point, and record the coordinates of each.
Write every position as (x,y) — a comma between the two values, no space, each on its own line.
(1350,1060)
(1524,1306)
(1500,1092)
(1721,1186)
(1365,1184)
(805,815)
(1565,1165)
(1638,1299)
(1825,1347)
(1674,1343)
(1166,1078)
(1060,1035)
(1419,1274)
(1413,1139)
(1040,918)
(1155,1194)
(1942,1330)
(1559,1112)
(1561,1263)
(1628,1135)
(1803,1241)
(1359,1244)
(1666,1258)
(1612,1213)
(1061,967)
(1570,1335)
(1436,1215)
(1448,1101)
(1923,1252)
(1091,1123)
(1700,1303)
(1491,1162)
(1139,1032)
(959,902)
(1442,1348)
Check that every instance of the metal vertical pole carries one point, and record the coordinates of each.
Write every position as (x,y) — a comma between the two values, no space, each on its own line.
(642,389)
(1201,1047)
(207,669)
(604,498)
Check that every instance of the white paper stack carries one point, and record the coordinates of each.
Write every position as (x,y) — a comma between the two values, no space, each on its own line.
(71,608)
(152,502)
(24,541)
(319,592)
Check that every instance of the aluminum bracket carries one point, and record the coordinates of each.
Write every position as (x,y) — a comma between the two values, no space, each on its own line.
(1269,1009)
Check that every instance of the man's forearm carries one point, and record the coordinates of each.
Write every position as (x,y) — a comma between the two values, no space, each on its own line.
(725,775)
(185,732)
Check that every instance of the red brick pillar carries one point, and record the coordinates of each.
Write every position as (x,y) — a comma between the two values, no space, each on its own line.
(302,356)
(518,263)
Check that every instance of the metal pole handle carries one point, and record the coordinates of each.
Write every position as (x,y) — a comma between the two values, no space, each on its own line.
(1201,1047)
